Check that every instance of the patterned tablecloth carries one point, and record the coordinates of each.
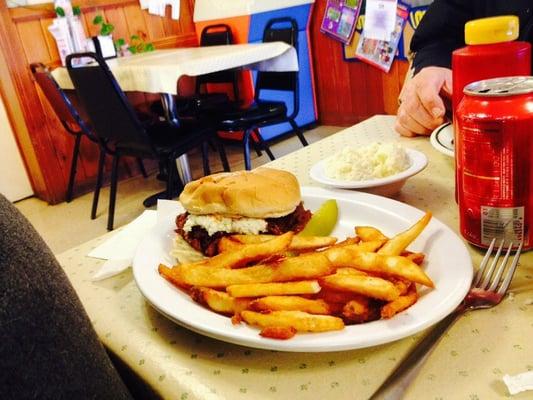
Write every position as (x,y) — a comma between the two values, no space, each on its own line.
(468,364)
(158,71)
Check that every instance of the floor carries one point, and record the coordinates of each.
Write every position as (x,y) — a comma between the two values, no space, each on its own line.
(66,225)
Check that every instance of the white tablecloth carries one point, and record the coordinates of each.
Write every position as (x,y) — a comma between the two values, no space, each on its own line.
(159,71)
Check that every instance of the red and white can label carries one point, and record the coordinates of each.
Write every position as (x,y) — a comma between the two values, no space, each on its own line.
(502,222)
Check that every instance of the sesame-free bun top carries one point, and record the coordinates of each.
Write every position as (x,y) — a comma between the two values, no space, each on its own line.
(261,193)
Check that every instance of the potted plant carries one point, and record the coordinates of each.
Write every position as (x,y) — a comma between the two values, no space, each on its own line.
(103,42)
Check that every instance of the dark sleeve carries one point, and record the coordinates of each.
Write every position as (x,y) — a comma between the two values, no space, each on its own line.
(48,347)
(440,32)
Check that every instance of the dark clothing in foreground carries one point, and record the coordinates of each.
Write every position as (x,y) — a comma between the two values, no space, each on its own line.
(48,348)
(441,31)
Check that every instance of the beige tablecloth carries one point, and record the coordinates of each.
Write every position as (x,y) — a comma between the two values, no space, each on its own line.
(179,364)
(158,71)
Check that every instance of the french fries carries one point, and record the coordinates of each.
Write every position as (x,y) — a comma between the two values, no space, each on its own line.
(291,303)
(273,289)
(399,243)
(298,243)
(299,320)
(288,284)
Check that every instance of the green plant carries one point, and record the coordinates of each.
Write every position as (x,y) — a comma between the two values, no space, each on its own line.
(76,10)
(105,28)
(60,12)
(138,45)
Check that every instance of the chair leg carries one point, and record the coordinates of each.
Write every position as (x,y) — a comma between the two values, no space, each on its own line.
(205,158)
(173,180)
(246,146)
(265,147)
(171,167)
(98,186)
(73,167)
(298,131)
(222,154)
(113,193)
(256,145)
(141,167)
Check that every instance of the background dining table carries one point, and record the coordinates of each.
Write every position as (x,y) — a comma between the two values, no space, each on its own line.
(469,363)
(159,71)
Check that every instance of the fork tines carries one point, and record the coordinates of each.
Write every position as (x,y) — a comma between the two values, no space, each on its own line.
(489,275)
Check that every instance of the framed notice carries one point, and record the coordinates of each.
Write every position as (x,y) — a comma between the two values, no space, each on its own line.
(340,19)
(381,53)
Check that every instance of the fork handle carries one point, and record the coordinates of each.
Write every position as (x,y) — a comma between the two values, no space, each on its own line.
(395,386)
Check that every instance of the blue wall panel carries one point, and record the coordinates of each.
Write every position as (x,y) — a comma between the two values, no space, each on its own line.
(307,112)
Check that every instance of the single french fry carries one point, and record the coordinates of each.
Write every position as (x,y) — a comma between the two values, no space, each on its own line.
(278,332)
(336,297)
(370,286)
(399,243)
(349,241)
(386,265)
(220,302)
(401,284)
(298,243)
(349,271)
(290,303)
(248,253)
(301,321)
(303,267)
(273,289)
(342,255)
(400,304)
(369,234)
(357,310)
(417,258)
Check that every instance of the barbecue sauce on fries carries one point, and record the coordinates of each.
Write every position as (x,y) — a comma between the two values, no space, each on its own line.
(288,284)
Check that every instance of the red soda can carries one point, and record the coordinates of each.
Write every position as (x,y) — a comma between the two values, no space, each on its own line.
(494,160)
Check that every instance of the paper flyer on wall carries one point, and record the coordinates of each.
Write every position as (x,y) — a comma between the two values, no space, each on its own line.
(380,53)
(340,18)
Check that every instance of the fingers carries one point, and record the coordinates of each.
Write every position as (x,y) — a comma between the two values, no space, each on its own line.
(403,131)
(409,121)
(422,109)
(428,94)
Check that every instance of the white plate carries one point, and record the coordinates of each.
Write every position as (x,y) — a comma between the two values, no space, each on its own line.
(447,263)
(442,139)
(389,185)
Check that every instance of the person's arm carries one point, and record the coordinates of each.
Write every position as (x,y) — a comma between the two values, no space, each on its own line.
(440,32)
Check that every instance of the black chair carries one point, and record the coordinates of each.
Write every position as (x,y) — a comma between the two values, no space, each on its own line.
(262,112)
(217,35)
(115,122)
(75,125)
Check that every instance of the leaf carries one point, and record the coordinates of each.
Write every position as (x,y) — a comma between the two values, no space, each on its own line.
(98,20)
(120,42)
(76,10)
(135,37)
(149,47)
(132,49)
(60,11)
(106,29)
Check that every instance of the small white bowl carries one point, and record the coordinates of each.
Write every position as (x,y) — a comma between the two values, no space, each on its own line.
(387,186)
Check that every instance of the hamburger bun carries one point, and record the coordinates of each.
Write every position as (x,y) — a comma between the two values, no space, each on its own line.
(261,193)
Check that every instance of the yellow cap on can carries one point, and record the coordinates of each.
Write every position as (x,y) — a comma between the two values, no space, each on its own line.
(492,30)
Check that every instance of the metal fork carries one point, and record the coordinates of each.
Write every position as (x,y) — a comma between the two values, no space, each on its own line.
(488,288)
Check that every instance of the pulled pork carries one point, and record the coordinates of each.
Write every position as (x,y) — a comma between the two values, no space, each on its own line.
(200,240)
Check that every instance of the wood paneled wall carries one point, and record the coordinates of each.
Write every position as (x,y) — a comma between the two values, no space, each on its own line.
(45,146)
(347,91)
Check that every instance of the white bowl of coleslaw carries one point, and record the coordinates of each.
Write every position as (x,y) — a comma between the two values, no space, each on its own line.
(377,168)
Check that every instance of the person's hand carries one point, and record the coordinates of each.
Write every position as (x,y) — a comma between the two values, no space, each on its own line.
(421,106)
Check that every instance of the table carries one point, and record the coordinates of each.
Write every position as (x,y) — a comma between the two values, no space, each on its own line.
(160,70)
(468,364)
